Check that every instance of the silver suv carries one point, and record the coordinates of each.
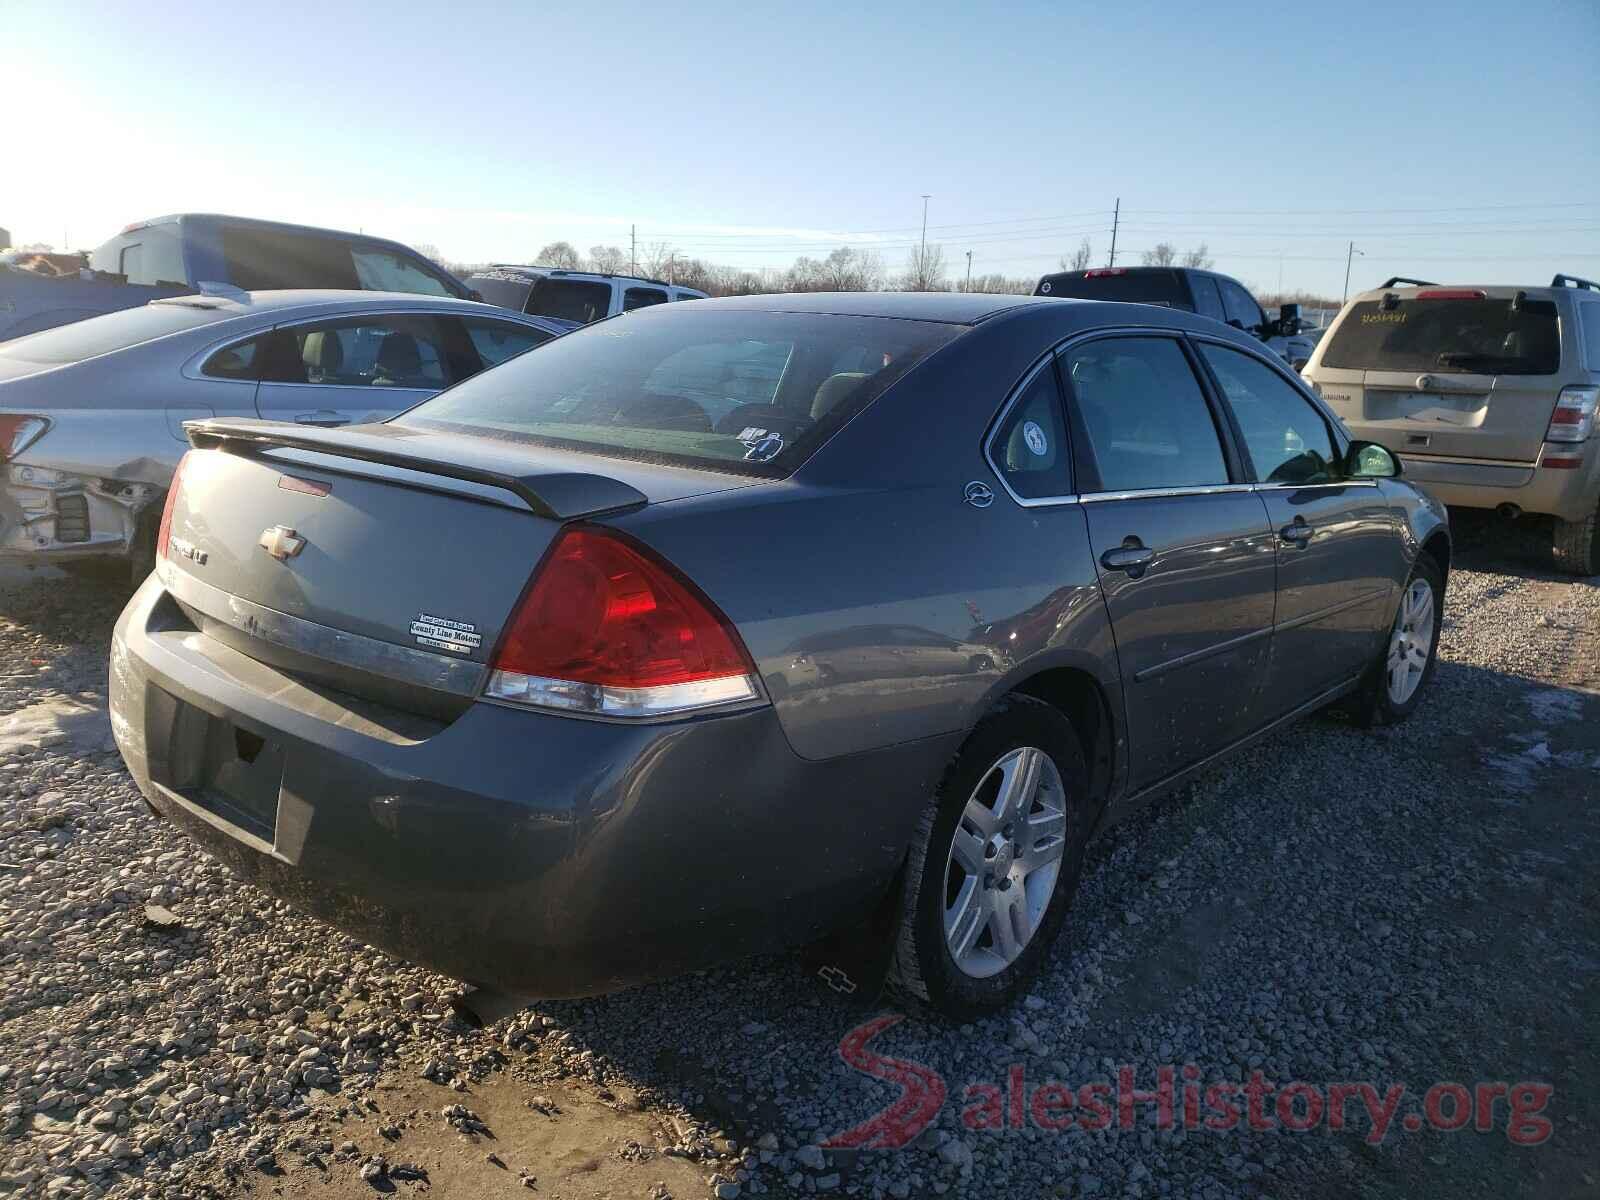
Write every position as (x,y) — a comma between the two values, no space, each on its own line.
(1488,392)
(576,296)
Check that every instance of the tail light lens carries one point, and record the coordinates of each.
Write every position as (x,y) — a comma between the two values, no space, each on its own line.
(605,627)
(1573,418)
(164,533)
(18,432)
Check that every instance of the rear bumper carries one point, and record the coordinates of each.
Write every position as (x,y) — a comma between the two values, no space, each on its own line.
(538,854)
(1569,493)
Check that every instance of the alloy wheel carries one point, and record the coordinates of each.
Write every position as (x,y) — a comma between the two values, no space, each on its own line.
(1411,642)
(1005,857)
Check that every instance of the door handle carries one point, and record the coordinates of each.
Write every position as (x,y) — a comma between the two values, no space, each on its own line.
(1131,557)
(325,417)
(1297,533)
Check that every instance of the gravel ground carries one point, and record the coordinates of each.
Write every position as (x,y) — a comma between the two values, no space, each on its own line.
(1412,905)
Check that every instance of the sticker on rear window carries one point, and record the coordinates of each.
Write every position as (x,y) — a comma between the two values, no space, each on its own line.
(1034,436)
(441,633)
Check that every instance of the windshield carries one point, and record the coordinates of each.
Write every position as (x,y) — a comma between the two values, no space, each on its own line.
(1450,337)
(581,300)
(113,331)
(1142,287)
(754,392)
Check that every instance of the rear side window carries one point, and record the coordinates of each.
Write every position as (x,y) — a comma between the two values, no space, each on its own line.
(584,300)
(753,392)
(156,257)
(390,351)
(264,259)
(496,341)
(642,298)
(1147,421)
(1287,438)
(242,361)
(1030,447)
(1589,315)
(1468,336)
(113,331)
(1207,300)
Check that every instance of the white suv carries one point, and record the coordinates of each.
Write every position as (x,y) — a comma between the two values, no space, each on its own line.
(576,296)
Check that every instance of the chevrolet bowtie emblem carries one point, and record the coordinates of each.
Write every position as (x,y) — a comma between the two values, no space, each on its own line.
(281,543)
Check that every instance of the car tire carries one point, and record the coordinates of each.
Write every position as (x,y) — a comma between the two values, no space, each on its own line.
(1030,736)
(1377,701)
(1576,547)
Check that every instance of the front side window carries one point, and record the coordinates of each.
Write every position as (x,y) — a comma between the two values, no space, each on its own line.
(1468,335)
(496,341)
(386,271)
(1286,437)
(754,392)
(389,351)
(1029,449)
(1240,306)
(584,300)
(642,298)
(1147,421)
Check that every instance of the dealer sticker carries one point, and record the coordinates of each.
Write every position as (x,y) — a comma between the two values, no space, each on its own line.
(441,633)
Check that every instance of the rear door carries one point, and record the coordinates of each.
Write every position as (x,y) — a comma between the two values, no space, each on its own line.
(1447,373)
(351,369)
(1338,551)
(1182,544)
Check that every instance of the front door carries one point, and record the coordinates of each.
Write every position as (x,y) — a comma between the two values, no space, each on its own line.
(346,370)
(1183,547)
(1339,560)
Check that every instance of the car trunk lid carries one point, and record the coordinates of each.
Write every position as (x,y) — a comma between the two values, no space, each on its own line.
(381,561)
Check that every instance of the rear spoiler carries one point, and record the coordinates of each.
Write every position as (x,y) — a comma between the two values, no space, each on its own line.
(1395,279)
(559,495)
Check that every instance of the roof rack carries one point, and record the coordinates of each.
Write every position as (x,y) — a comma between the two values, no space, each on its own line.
(1573,281)
(1411,282)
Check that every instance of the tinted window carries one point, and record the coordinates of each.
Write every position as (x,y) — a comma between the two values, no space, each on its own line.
(496,341)
(1590,316)
(642,298)
(1207,300)
(750,391)
(386,271)
(1140,286)
(583,300)
(261,259)
(1146,418)
(242,361)
(1450,337)
(1030,447)
(113,331)
(393,351)
(504,290)
(1239,305)
(1287,438)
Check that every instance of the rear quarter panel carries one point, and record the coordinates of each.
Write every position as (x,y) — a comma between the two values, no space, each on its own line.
(878,605)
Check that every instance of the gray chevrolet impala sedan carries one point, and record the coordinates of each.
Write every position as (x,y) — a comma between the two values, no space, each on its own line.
(722,627)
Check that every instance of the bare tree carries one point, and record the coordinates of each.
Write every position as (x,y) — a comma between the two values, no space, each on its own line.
(1198,258)
(608,260)
(844,270)
(1163,255)
(559,254)
(1080,257)
(925,270)
(1000,285)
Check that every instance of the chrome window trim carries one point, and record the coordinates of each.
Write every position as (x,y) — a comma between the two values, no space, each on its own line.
(1048,360)
(460,677)
(1204,489)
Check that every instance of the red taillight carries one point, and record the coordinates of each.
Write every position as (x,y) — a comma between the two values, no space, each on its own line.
(164,532)
(18,431)
(1452,294)
(1573,418)
(1099,271)
(605,627)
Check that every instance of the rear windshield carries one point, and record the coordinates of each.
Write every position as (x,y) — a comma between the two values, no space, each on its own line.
(692,385)
(113,331)
(1138,287)
(508,291)
(581,300)
(1449,337)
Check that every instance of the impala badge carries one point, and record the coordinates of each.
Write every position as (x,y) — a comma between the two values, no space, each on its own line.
(281,543)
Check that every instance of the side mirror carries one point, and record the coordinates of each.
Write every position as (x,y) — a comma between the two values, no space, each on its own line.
(1289,322)
(475,294)
(1368,460)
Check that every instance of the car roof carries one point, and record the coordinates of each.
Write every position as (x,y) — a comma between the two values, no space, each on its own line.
(534,271)
(955,308)
(237,302)
(1491,291)
(259,223)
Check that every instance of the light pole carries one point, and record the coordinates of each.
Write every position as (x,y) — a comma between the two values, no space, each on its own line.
(924,251)
(1348,255)
(969,270)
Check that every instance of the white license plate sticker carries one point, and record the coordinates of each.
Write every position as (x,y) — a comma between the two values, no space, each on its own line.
(441,633)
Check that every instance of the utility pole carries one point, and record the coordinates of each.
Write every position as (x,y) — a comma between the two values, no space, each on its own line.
(1116,217)
(969,270)
(671,255)
(923,259)
(633,249)
(1348,255)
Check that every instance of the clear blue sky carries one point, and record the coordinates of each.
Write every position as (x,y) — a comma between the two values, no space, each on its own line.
(747,133)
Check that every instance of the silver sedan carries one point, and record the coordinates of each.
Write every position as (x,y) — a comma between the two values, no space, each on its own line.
(91,414)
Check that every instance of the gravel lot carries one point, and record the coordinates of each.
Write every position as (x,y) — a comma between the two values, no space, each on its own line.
(1413,905)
